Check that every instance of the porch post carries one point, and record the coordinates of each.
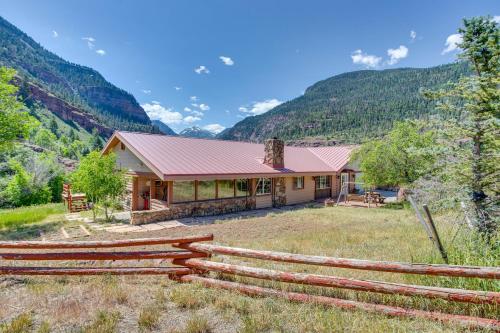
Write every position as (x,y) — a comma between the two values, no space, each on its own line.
(170,191)
(253,186)
(152,189)
(135,192)
(331,186)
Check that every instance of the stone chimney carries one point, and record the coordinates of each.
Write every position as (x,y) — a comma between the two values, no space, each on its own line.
(274,153)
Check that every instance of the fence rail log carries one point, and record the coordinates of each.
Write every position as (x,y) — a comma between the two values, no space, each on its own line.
(383,266)
(103,244)
(466,321)
(103,255)
(171,271)
(458,295)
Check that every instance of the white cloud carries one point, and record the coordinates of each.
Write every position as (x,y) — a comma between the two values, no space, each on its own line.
(226,60)
(204,107)
(191,119)
(147,92)
(197,113)
(158,112)
(178,88)
(260,107)
(55,34)
(101,52)
(397,54)
(241,116)
(413,35)
(202,69)
(214,128)
(452,43)
(186,109)
(360,58)
(496,19)
(90,41)
(193,98)
(194,105)
(155,102)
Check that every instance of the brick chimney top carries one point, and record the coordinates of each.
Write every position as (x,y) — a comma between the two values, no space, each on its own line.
(274,153)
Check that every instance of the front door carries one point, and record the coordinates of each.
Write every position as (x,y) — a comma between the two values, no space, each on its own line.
(344,182)
(323,187)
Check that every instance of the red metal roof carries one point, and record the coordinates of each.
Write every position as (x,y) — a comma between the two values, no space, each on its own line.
(170,156)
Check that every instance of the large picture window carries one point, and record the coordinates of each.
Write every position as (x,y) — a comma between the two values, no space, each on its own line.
(226,188)
(323,182)
(206,189)
(263,186)
(242,187)
(183,191)
(298,183)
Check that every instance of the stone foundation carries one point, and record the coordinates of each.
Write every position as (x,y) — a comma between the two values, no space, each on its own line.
(195,208)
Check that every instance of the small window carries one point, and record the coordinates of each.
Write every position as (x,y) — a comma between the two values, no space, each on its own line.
(298,183)
(263,186)
(242,187)
(122,146)
(323,182)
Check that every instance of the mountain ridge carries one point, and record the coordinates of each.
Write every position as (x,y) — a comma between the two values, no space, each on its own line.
(163,128)
(350,107)
(197,132)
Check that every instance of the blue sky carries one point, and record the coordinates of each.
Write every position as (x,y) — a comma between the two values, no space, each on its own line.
(211,63)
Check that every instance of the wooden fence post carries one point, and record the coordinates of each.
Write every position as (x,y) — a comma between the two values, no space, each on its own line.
(427,228)
(436,235)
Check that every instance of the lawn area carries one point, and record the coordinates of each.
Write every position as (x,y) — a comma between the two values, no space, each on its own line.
(17,217)
(155,304)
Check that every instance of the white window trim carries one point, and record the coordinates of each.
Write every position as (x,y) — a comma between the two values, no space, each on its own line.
(263,187)
(323,185)
(296,187)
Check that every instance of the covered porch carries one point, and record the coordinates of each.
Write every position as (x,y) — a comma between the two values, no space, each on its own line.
(151,199)
(148,192)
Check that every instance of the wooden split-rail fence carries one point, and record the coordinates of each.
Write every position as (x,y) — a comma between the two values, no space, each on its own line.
(190,264)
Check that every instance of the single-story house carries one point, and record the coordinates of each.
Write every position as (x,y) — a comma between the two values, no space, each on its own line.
(173,177)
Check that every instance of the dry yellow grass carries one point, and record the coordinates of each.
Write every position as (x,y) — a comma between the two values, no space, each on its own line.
(93,303)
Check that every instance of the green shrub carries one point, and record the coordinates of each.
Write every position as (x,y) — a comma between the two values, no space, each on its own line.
(22,191)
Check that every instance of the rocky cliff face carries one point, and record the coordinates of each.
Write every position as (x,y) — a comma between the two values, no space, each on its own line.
(107,99)
(65,110)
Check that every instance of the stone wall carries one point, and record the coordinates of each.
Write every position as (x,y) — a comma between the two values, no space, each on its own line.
(196,208)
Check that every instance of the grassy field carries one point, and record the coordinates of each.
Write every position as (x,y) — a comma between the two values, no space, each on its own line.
(17,217)
(144,304)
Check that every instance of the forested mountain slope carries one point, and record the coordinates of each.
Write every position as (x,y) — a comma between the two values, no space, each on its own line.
(351,106)
(72,92)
